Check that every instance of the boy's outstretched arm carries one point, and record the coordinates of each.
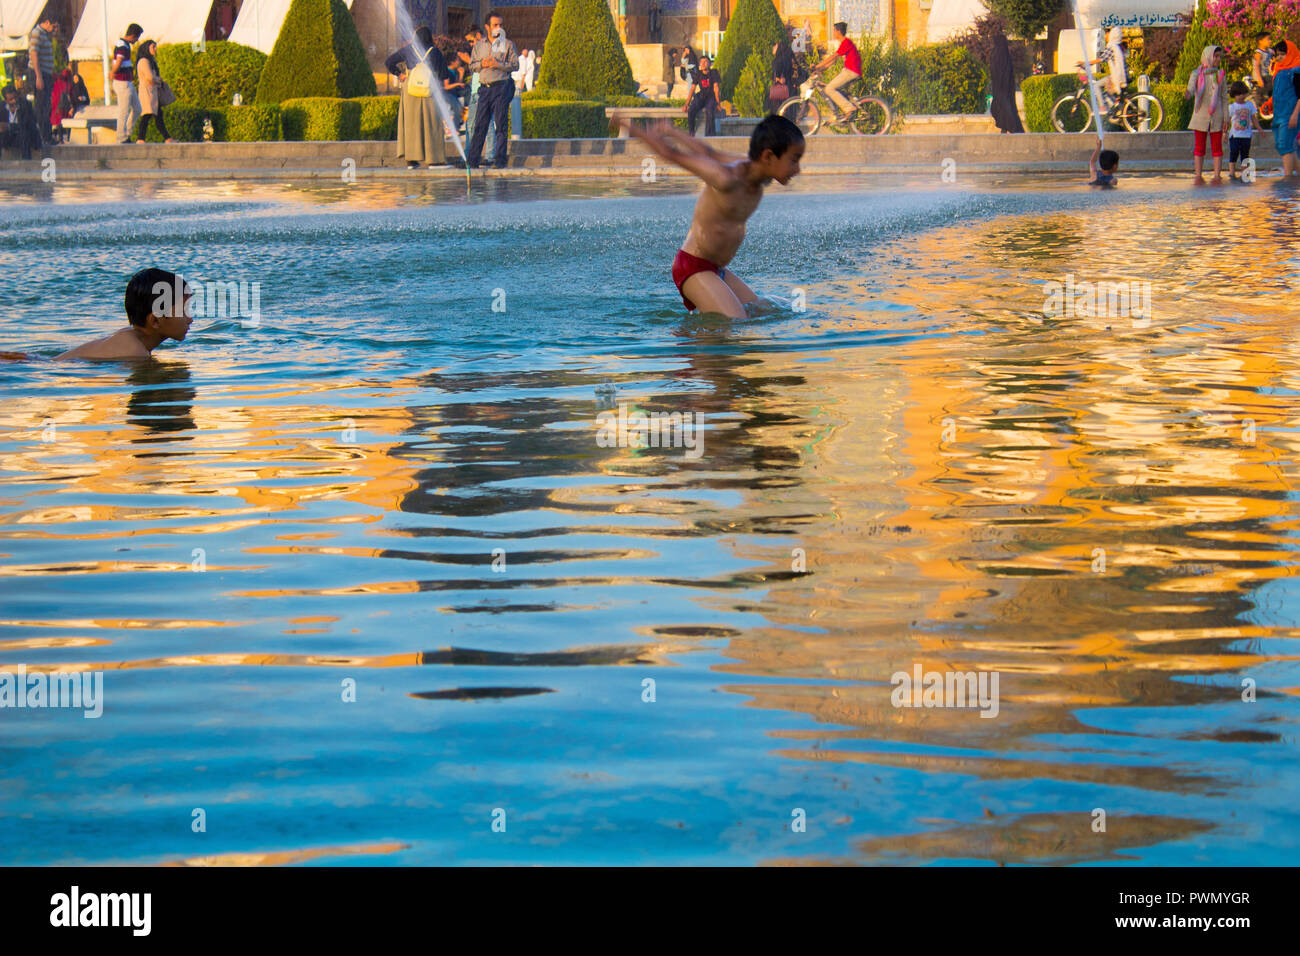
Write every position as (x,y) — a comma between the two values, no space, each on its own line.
(1092,160)
(689,142)
(716,174)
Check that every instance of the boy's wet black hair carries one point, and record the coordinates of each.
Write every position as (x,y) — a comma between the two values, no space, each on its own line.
(1107,160)
(775,133)
(141,294)
(1238,88)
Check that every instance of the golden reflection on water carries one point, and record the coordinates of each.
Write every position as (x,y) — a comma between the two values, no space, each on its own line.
(973,480)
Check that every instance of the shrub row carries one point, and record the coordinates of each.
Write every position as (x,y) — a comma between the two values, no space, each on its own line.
(232,124)
(564,119)
(308,118)
(1041,92)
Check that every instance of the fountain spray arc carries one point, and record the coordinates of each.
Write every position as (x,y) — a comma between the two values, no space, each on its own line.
(406,29)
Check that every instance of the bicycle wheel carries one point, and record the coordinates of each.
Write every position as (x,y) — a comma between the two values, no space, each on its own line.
(803,113)
(873,117)
(1142,109)
(1072,114)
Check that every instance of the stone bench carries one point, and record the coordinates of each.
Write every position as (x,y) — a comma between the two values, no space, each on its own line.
(104,117)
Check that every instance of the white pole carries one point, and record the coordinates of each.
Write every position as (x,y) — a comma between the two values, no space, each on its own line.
(1087,68)
(103,5)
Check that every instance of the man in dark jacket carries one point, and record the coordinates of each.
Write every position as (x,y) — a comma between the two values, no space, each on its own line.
(18,129)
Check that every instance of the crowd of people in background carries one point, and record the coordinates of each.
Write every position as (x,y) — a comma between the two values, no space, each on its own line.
(39,94)
(479,80)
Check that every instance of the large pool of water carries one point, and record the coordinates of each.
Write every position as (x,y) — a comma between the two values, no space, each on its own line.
(391,488)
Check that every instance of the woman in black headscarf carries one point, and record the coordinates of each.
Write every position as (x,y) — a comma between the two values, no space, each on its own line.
(783,84)
(1003,86)
(421,138)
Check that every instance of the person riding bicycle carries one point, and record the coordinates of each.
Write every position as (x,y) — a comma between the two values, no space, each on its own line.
(852,69)
(1113,53)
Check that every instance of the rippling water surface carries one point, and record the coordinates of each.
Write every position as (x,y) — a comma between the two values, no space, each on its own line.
(390,483)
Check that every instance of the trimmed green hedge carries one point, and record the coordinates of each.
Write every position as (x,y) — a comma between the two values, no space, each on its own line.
(754,28)
(564,120)
(317,54)
(318,118)
(1178,110)
(212,77)
(1040,93)
(641,101)
(253,123)
(584,51)
(378,116)
(234,124)
(943,78)
(185,123)
(542,94)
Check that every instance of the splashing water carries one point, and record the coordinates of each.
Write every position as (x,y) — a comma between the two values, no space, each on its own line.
(406,29)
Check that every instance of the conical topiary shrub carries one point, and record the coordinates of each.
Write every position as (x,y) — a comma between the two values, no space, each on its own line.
(755,80)
(1194,44)
(318,53)
(755,27)
(583,51)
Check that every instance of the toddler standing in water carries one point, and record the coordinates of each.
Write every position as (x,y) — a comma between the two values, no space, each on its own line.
(1243,120)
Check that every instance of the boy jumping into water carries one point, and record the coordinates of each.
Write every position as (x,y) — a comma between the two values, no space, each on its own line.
(153,313)
(733,187)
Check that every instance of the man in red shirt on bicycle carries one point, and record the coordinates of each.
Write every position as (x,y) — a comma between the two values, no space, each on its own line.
(852,68)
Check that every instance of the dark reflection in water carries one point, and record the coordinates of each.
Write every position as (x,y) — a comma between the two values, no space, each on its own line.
(159,403)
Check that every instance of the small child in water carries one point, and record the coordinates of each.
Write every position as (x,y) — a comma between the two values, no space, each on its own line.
(157,307)
(1102,166)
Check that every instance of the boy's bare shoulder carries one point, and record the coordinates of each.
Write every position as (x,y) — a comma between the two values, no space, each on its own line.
(120,345)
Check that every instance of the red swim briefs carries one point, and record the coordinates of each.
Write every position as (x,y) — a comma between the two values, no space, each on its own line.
(685,266)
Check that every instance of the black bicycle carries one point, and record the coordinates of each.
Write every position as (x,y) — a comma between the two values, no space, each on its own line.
(1141,113)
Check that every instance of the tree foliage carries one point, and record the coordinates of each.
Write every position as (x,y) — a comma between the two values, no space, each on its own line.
(754,28)
(1026,18)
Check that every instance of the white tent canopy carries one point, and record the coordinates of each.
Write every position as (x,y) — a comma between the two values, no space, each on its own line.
(178,21)
(952,16)
(17,17)
(260,21)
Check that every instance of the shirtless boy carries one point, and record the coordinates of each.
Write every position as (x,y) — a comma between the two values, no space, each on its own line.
(733,187)
(154,316)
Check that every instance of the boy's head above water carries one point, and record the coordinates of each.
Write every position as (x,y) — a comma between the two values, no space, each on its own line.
(775,148)
(1108,160)
(157,309)
(152,303)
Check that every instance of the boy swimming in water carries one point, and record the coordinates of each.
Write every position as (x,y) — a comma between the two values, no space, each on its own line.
(1103,165)
(733,186)
(153,313)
